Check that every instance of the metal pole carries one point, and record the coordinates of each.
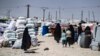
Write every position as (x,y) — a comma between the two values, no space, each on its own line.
(89,15)
(72,18)
(82,15)
(8,13)
(43,14)
(93,16)
(49,16)
(44,8)
(56,15)
(59,13)
(28,6)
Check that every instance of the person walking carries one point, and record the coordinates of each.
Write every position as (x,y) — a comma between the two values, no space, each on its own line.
(57,33)
(64,38)
(88,36)
(68,35)
(26,40)
(80,29)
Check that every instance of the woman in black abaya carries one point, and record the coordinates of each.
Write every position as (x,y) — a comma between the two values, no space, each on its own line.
(26,40)
(57,32)
(88,37)
(72,34)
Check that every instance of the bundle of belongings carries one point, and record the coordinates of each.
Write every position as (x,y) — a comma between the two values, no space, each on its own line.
(95,44)
(19,33)
(13,38)
(31,31)
(9,36)
(85,38)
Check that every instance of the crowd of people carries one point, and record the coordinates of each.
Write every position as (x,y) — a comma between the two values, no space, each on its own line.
(69,35)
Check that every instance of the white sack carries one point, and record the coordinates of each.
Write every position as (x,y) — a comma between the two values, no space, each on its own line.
(19,30)
(17,44)
(11,26)
(20,22)
(30,25)
(21,27)
(34,41)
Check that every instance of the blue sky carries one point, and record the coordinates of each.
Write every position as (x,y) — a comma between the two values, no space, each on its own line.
(68,7)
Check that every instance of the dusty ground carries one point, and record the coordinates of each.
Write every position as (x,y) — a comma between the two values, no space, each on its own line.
(54,50)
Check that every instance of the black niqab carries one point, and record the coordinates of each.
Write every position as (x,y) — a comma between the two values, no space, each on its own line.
(87,30)
(80,30)
(57,32)
(26,41)
(72,34)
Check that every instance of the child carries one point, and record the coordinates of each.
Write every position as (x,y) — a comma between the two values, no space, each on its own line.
(64,39)
(68,33)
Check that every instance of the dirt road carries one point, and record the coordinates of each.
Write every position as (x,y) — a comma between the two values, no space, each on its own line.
(54,50)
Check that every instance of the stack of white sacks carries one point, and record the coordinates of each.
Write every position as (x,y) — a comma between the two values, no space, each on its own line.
(20,24)
(30,26)
(9,33)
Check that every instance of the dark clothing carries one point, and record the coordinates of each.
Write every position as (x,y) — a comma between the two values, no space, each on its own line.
(64,42)
(76,36)
(88,36)
(69,39)
(79,30)
(72,34)
(36,30)
(26,41)
(57,33)
(87,41)
(87,30)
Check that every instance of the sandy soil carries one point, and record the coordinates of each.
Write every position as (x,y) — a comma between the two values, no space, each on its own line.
(54,50)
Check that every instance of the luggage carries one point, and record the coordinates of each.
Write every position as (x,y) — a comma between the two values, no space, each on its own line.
(87,41)
(21,27)
(84,41)
(20,22)
(34,41)
(19,30)
(20,35)
(30,22)
(5,43)
(17,44)
(95,46)
(30,25)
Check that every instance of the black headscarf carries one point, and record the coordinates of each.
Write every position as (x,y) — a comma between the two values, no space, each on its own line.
(57,32)
(26,40)
(80,29)
(87,30)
